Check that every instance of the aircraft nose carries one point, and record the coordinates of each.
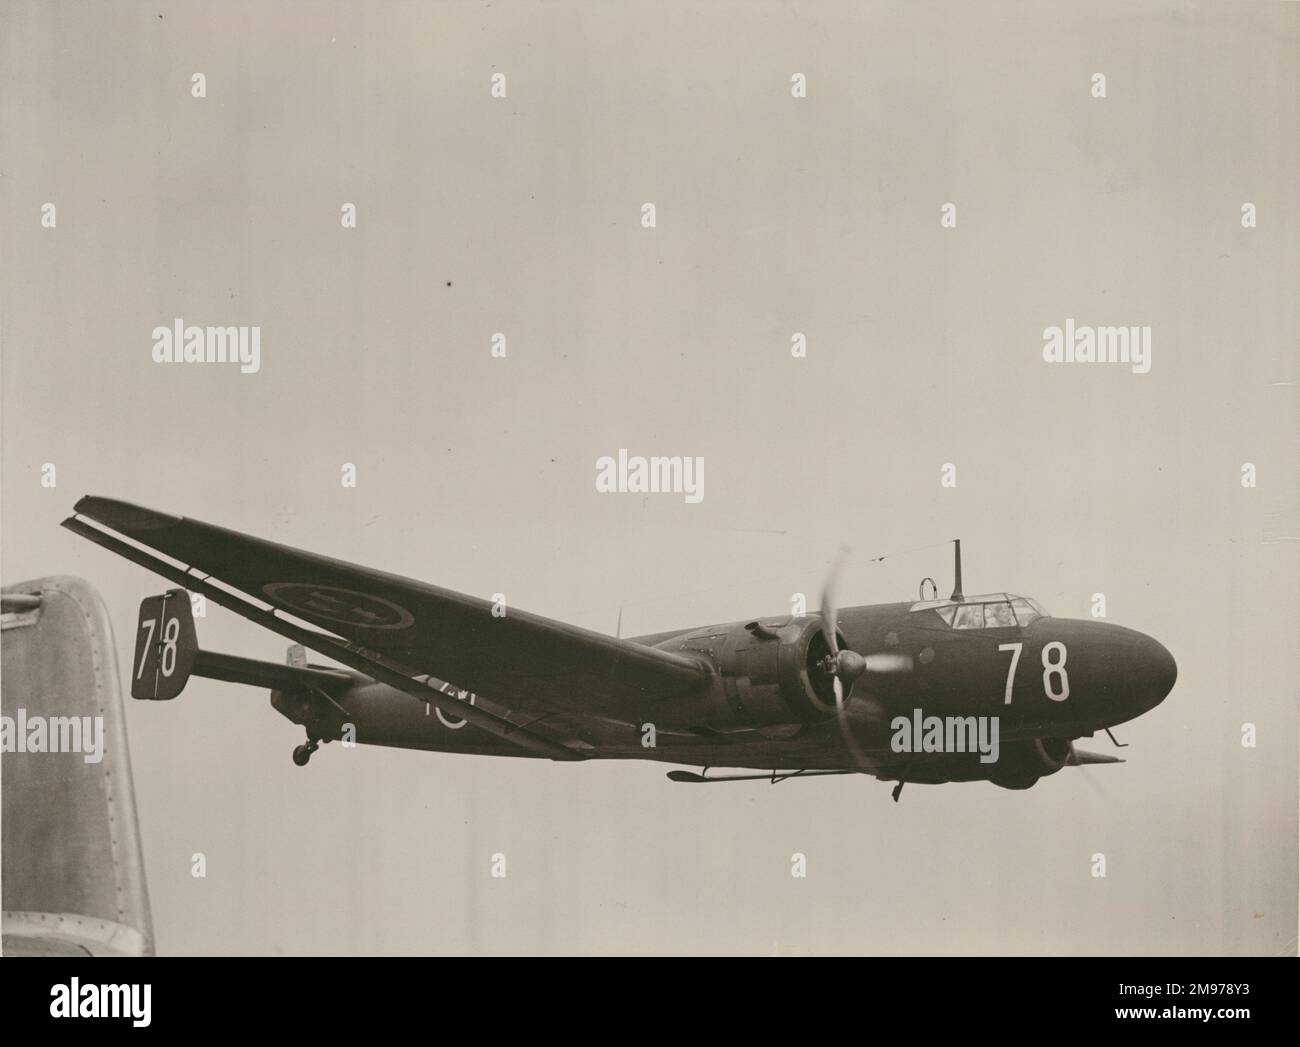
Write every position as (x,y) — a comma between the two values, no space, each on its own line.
(1160,672)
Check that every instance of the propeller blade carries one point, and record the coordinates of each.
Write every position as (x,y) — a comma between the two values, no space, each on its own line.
(888,663)
(842,716)
(845,666)
(830,615)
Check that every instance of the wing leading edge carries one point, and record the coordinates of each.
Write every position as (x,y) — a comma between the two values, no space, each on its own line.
(517,659)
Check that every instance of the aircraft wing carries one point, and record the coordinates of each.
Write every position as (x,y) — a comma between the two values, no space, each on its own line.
(519,660)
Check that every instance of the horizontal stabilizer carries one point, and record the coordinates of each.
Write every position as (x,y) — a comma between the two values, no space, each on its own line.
(234,669)
(167,654)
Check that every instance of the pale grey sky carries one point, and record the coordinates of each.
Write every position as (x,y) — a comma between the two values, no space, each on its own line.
(774,215)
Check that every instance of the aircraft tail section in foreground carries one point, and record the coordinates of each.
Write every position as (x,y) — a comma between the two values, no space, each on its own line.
(74,882)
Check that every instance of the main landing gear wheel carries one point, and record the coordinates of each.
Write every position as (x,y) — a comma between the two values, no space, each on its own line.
(302,753)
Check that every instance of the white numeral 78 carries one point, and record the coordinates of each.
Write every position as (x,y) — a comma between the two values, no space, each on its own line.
(1053,670)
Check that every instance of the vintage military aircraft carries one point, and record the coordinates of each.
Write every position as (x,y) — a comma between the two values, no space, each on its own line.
(791,696)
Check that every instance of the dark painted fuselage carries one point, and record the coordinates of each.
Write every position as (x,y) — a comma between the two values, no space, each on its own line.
(764,707)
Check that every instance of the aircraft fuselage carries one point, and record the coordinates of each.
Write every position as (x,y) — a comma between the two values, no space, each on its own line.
(1053,678)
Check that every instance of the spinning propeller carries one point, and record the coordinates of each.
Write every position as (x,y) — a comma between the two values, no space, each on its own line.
(845,666)
(841,664)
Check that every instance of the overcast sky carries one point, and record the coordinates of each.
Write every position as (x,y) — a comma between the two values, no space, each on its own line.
(774,215)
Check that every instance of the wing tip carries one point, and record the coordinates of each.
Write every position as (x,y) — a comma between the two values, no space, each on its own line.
(123,517)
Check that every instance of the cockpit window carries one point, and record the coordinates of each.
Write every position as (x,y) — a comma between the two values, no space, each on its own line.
(998,616)
(1027,610)
(991,611)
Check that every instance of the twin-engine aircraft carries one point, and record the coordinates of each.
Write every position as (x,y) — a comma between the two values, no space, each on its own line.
(971,688)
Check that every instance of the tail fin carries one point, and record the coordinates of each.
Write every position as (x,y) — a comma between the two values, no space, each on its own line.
(165,646)
(167,654)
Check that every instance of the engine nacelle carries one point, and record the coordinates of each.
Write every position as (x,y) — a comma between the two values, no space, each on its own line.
(1023,763)
(767,674)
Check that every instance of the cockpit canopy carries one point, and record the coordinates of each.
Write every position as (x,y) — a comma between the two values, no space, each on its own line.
(990,611)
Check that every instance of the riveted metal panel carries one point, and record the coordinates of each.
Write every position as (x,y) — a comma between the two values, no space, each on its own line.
(72,862)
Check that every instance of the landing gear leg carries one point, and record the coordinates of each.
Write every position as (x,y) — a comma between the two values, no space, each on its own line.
(897,792)
(302,753)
